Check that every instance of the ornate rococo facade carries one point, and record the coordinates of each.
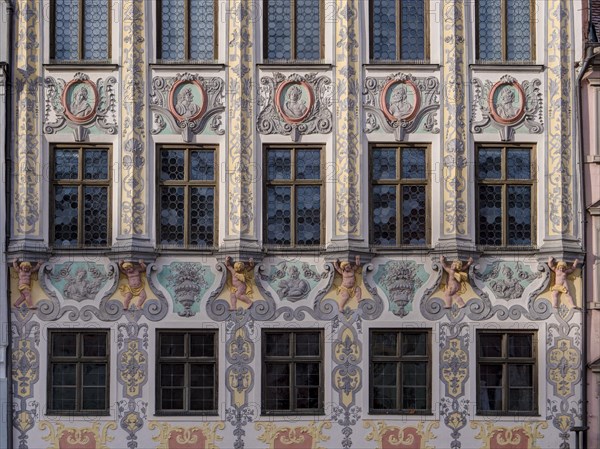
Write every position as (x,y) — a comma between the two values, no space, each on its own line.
(454,106)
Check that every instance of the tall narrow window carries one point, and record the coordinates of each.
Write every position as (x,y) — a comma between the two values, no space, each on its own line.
(80,30)
(505,196)
(187,375)
(187,196)
(81,196)
(398,30)
(78,372)
(400,363)
(506,373)
(293,30)
(292,372)
(294,196)
(399,208)
(505,30)
(188,30)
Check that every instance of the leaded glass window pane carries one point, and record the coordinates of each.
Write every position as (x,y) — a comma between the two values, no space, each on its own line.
(519,215)
(95,26)
(384,29)
(279,215)
(413,29)
(66,217)
(490,25)
(172,215)
(308,220)
(279,29)
(490,215)
(202,29)
(518,32)
(173,30)
(384,215)
(202,216)
(308,29)
(95,215)
(66,30)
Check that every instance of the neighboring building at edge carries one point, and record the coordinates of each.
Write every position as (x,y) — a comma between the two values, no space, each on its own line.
(296,224)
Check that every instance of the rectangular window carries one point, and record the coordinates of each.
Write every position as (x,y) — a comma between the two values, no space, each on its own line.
(400,377)
(78,372)
(81,196)
(505,30)
(294,196)
(187,374)
(293,30)
(187,30)
(188,182)
(506,373)
(80,30)
(398,30)
(399,191)
(292,372)
(505,196)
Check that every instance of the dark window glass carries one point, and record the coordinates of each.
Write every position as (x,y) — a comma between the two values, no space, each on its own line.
(506,365)
(505,196)
(187,213)
(78,380)
(81,30)
(187,372)
(81,200)
(400,371)
(398,30)
(294,196)
(505,30)
(293,29)
(399,196)
(292,372)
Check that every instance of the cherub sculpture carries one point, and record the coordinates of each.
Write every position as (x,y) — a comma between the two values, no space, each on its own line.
(25,270)
(135,284)
(457,281)
(561,273)
(241,289)
(349,288)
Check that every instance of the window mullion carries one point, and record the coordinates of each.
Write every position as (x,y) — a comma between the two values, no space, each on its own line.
(186,29)
(293,53)
(398,32)
(504,30)
(81,51)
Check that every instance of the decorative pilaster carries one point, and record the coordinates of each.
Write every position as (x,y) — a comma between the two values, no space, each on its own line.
(27,176)
(240,100)
(133,222)
(454,156)
(347,143)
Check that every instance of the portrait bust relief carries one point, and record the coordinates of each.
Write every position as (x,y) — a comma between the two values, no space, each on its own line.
(294,101)
(400,100)
(507,102)
(187,100)
(80,100)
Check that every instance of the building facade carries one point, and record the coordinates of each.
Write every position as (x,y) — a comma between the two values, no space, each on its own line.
(305,223)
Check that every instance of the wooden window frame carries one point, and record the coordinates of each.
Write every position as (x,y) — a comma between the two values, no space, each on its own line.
(188,184)
(399,182)
(399,57)
(293,183)
(80,33)
(186,33)
(399,359)
(504,183)
(503,35)
(292,360)
(79,360)
(294,31)
(187,360)
(505,360)
(80,183)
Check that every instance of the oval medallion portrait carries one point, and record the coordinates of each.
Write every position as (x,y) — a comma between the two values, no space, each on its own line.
(80,100)
(400,100)
(187,100)
(507,102)
(294,101)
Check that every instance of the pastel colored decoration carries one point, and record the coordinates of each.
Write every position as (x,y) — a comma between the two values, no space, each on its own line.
(400,100)
(80,100)
(187,100)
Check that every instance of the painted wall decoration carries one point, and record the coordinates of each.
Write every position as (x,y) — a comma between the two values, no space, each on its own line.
(507,280)
(186,284)
(400,280)
(295,105)
(204,436)
(523,436)
(293,281)
(507,105)
(92,437)
(187,104)
(81,105)
(79,281)
(456,282)
(293,437)
(561,291)
(401,104)
(407,437)
(25,271)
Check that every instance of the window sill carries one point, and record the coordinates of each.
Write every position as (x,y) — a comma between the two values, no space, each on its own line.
(403,413)
(81,65)
(292,415)
(294,64)
(274,249)
(211,414)
(500,66)
(174,249)
(76,414)
(507,249)
(192,65)
(507,415)
(402,65)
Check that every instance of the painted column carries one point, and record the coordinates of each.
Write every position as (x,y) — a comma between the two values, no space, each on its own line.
(347,142)
(454,155)
(134,220)
(241,173)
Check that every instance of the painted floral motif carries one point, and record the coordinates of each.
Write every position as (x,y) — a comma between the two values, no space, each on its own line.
(92,437)
(289,437)
(202,436)
(524,436)
(564,367)
(407,437)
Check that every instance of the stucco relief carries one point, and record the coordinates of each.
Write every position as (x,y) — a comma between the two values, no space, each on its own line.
(187,104)
(92,437)
(400,104)
(507,105)
(400,280)
(186,284)
(25,273)
(202,436)
(507,280)
(406,437)
(292,281)
(524,436)
(295,105)
(81,105)
(293,437)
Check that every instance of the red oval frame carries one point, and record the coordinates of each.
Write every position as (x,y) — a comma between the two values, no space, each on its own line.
(492,106)
(311,100)
(68,113)
(384,106)
(172,100)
